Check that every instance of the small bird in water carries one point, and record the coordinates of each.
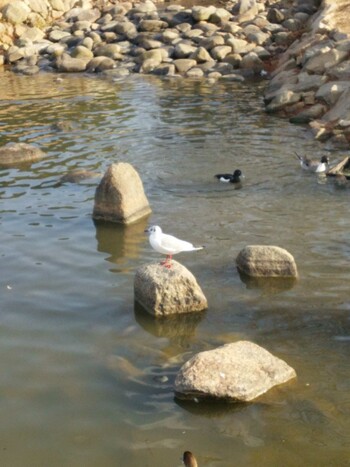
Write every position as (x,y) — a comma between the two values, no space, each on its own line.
(167,244)
(189,460)
(313,165)
(230,178)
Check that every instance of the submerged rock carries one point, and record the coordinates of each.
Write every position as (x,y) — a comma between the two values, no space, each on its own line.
(238,372)
(62,125)
(120,196)
(165,291)
(77,176)
(266,261)
(19,153)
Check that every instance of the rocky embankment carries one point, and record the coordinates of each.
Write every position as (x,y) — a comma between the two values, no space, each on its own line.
(311,83)
(118,38)
(301,46)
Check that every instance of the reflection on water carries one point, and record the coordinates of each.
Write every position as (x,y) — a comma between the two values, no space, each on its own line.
(269,285)
(87,376)
(122,243)
(179,329)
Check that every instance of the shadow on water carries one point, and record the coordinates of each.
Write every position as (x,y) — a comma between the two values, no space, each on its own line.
(213,408)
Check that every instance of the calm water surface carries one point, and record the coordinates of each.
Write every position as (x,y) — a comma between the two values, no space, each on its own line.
(86,378)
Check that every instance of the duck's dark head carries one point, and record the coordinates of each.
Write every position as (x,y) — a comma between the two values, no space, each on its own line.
(237,174)
(325,160)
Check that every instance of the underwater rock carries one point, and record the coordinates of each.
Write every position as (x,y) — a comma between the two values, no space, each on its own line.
(19,153)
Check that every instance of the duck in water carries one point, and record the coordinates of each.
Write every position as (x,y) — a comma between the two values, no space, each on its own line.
(317,166)
(230,178)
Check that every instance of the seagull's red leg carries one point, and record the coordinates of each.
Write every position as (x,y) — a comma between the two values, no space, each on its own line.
(167,261)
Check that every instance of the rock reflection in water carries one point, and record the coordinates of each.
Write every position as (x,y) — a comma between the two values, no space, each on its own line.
(179,329)
(268,285)
(122,243)
(239,422)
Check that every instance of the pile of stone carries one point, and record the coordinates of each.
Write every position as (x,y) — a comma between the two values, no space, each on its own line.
(27,19)
(120,38)
(312,81)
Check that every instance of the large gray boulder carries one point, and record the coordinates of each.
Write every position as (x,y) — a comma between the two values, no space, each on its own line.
(166,291)
(238,372)
(120,196)
(266,261)
(323,61)
(19,153)
(331,91)
(341,110)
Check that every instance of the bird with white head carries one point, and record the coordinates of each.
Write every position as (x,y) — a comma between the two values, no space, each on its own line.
(167,244)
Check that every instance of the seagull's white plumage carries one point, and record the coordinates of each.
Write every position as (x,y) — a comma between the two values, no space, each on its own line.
(168,244)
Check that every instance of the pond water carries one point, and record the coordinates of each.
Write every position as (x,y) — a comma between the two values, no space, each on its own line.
(87,377)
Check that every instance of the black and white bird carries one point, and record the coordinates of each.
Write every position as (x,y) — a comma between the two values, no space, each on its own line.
(317,166)
(236,177)
(167,244)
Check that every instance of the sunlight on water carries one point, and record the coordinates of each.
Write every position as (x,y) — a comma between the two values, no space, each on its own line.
(86,376)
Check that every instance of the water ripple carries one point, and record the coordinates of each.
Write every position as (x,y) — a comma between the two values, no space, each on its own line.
(67,282)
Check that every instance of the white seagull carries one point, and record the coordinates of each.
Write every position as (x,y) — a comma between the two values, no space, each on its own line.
(313,165)
(167,244)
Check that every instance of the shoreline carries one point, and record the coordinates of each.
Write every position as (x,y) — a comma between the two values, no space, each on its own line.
(297,46)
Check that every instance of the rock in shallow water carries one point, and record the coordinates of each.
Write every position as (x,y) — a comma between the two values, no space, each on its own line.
(238,372)
(266,261)
(166,291)
(19,153)
(120,196)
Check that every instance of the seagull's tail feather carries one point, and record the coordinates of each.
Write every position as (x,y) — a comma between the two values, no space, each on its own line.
(191,247)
